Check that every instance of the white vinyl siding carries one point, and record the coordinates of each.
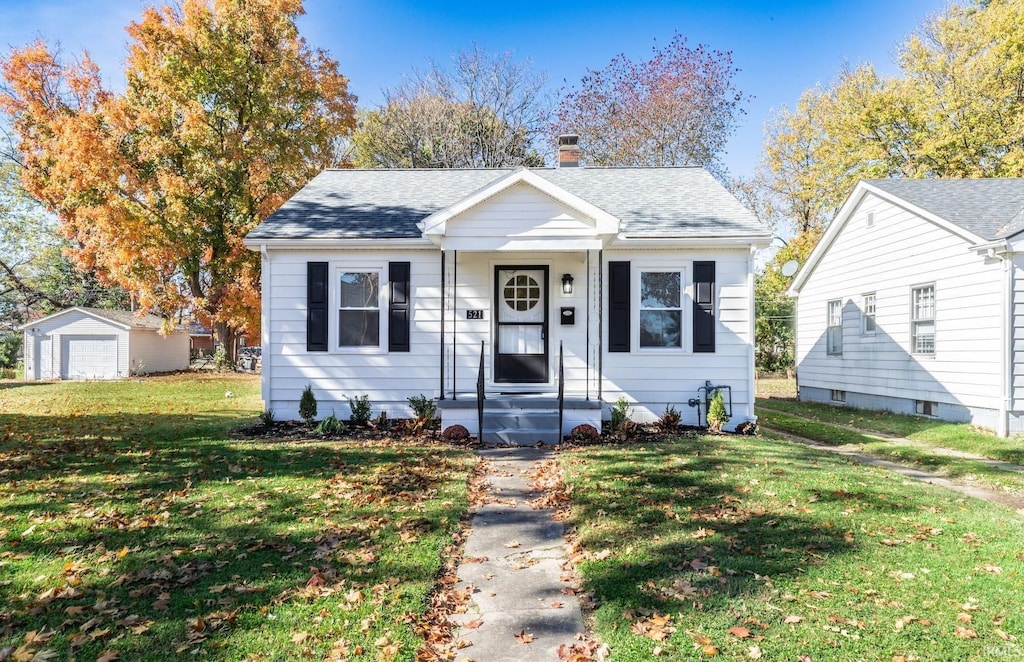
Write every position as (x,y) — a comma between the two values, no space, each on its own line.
(651,379)
(964,371)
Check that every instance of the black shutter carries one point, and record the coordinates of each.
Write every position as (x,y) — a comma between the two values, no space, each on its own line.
(316,306)
(398,307)
(704,306)
(618,306)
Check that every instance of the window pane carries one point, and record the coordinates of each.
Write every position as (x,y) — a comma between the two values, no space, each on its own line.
(359,289)
(659,289)
(359,328)
(924,337)
(660,328)
(924,303)
(869,323)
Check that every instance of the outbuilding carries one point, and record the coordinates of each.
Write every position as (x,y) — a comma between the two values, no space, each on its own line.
(91,343)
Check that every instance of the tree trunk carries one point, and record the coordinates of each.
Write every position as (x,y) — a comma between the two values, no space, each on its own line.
(227,337)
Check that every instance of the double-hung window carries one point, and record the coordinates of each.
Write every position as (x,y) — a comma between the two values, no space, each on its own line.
(834,336)
(869,314)
(359,308)
(661,309)
(922,319)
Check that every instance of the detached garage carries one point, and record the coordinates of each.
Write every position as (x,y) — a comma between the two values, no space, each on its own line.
(90,343)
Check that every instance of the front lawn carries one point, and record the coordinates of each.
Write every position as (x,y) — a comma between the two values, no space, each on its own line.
(957,436)
(745,548)
(134,527)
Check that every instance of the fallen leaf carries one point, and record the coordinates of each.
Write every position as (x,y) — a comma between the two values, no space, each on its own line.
(557,605)
(754,653)
(299,637)
(512,544)
(474,624)
(523,637)
(739,632)
(108,655)
(793,618)
(965,633)
(709,650)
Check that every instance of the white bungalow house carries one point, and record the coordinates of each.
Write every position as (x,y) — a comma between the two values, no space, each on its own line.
(93,343)
(913,302)
(520,285)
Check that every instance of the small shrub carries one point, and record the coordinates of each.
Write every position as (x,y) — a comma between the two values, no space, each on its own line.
(717,416)
(670,420)
(423,408)
(267,418)
(584,432)
(620,412)
(330,425)
(455,433)
(362,410)
(307,404)
(220,360)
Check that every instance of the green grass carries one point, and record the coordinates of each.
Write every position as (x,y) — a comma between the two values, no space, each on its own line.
(922,455)
(805,552)
(957,436)
(131,521)
(776,386)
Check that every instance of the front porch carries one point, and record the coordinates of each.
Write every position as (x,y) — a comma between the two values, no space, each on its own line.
(520,419)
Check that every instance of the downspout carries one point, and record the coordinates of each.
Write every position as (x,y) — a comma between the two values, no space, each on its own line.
(267,348)
(441,355)
(1003,427)
(600,325)
(751,330)
(455,320)
(590,305)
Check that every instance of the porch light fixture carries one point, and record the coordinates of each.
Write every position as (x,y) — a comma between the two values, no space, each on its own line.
(567,284)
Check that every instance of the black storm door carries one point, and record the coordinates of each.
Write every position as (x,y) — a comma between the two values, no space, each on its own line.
(521,302)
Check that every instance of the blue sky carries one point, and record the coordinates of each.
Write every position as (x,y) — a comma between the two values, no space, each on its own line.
(781,48)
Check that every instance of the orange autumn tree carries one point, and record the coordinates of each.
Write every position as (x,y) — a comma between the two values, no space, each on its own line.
(225,114)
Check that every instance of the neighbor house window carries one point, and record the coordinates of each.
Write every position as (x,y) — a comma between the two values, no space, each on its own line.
(869,313)
(926,407)
(661,309)
(834,340)
(922,316)
(359,309)
(838,396)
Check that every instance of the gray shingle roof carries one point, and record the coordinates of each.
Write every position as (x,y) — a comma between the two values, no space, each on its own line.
(990,208)
(126,317)
(650,202)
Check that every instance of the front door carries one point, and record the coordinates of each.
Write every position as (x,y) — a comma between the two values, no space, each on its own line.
(520,297)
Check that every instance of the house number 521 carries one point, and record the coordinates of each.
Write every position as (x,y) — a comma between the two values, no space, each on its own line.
(474,314)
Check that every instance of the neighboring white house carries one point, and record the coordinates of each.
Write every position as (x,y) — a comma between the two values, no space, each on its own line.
(400,283)
(913,302)
(90,343)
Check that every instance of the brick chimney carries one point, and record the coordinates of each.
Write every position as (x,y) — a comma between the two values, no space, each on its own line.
(569,151)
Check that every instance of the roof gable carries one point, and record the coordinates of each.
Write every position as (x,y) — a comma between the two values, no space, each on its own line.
(872,187)
(548,203)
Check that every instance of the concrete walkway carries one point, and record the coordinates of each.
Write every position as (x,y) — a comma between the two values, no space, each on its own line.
(513,563)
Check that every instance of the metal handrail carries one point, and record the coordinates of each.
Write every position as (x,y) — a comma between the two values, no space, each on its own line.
(480,396)
(561,391)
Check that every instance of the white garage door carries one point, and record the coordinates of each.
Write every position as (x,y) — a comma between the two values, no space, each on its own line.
(89,357)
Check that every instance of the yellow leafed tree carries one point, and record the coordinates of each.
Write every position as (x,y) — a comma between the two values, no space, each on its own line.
(226,113)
